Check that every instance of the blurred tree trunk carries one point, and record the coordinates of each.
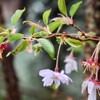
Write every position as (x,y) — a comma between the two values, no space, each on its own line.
(93,19)
(93,16)
(12,90)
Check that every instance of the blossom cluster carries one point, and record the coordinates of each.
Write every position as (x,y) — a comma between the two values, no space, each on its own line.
(93,82)
(91,64)
(50,77)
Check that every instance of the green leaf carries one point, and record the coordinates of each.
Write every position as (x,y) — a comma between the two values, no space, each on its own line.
(37,48)
(1,39)
(4,32)
(37,26)
(54,25)
(21,47)
(31,30)
(46,15)
(91,33)
(62,7)
(58,39)
(74,8)
(74,43)
(2,29)
(48,46)
(40,34)
(15,37)
(16,16)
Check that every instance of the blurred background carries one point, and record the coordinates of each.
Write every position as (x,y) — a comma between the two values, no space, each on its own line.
(19,79)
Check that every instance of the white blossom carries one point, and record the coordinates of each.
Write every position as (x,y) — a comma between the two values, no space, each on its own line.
(92,87)
(50,77)
(70,65)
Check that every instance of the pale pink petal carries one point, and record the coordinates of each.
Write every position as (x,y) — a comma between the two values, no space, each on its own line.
(84,85)
(64,79)
(92,95)
(71,64)
(67,59)
(47,81)
(67,79)
(90,86)
(62,72)
(68,68)
(75,65)
(45,72)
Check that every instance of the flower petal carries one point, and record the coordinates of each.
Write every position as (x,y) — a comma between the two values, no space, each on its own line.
(84,85)
(75,65)
(65,79)
(45,72)
(92,95)
(68,68)
(47,81)
(90,87)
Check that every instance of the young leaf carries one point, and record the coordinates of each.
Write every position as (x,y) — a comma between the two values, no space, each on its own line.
(21,47)
(36,48)
(74,8)
(48,46)
(46,15)
(16,16)
(15,37)
(37,26)
(31,30)
(54,25)
(74,43)
(62,7)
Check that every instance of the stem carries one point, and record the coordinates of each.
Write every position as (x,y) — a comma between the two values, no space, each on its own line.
(79,29)
(96,52)
(57,59)
(72,36)
(59,28)
(71,54)
(97,74)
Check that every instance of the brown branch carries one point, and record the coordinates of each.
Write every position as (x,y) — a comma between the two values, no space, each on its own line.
(85,38)
(79,29)
(73,37)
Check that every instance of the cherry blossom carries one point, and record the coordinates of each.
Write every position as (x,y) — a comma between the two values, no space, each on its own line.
(90,65)
(70,65)
(50,77)
(92,86)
